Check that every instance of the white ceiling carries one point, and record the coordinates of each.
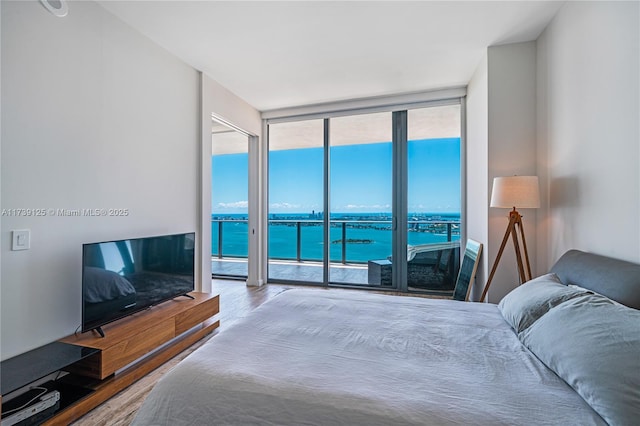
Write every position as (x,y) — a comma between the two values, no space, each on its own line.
(284,54)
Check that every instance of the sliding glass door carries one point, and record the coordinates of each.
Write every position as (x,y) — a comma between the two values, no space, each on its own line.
(229,202)
(360,194)
(369,199)
(433,198)
(296,212)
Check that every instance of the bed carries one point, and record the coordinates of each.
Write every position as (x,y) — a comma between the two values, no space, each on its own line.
(561,349)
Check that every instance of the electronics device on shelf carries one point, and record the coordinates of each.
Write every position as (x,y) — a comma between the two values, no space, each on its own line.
(122,277)
(30,408)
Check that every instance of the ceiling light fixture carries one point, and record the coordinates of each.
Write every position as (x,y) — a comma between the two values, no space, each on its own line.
(58,8)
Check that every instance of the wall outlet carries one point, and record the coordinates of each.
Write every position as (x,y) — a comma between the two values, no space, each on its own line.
(21,239)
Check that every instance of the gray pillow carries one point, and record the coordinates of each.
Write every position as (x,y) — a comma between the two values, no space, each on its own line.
(593,344)
(528,302)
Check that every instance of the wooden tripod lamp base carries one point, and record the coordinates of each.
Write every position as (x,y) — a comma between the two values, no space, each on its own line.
(515,221)
(521,191)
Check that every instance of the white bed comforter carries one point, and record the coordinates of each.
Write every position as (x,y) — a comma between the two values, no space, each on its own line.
(314,357)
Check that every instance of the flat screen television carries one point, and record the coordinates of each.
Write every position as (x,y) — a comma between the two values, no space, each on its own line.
(122,277)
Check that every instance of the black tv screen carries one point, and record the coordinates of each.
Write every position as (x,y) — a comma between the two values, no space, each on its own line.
(127,276)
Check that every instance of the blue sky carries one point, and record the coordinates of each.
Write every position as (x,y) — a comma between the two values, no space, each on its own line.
(360,179)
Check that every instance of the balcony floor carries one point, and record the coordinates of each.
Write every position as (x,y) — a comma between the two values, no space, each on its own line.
(295,271)
(310,272)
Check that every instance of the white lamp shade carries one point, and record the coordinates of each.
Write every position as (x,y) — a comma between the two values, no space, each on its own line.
(516,191)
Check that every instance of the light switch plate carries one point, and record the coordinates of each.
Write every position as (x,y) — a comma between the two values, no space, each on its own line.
(21,239)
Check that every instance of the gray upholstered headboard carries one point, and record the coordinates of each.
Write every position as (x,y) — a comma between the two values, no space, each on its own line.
(617,279)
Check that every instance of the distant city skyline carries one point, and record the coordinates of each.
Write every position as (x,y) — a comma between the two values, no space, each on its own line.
(360,179)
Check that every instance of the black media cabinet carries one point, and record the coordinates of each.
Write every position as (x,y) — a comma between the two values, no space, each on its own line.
(26,369)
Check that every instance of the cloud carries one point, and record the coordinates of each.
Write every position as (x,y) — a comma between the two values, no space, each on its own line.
(234,205)
(284,206)
(371,207)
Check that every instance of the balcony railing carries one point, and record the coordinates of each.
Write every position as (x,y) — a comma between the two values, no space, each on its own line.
(445,230)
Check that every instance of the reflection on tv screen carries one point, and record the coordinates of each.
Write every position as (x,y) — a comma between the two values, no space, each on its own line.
(126,276)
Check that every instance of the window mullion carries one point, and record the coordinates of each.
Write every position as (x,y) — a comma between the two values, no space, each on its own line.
(399,239)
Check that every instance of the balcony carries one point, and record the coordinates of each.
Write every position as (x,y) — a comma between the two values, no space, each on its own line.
(357,246)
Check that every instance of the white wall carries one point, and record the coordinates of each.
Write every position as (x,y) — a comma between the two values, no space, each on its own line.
(217,100)
(501,141)
(477,173)
(588,130)
(512,150)
(93,116)
(567,109)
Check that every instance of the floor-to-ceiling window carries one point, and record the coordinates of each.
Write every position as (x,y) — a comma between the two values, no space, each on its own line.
(433,198)
(389,182)
(296,201)
(360,199)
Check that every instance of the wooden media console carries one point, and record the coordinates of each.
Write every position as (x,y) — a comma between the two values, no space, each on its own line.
(133,347)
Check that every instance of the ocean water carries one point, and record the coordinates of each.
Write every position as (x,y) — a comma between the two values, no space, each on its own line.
(365,239)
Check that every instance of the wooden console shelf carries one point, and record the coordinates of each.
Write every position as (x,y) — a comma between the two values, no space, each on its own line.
(121,358)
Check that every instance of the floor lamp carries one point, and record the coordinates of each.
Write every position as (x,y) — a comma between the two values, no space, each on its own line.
(514,191)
